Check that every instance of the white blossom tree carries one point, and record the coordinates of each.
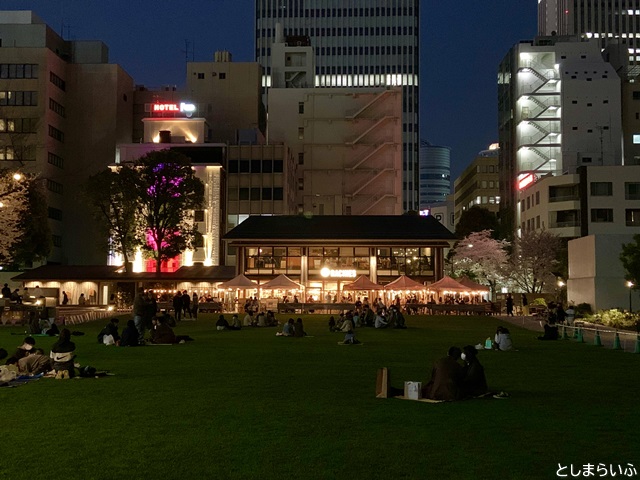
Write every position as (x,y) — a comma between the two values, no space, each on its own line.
(13,204)
(481,257)
(533,260)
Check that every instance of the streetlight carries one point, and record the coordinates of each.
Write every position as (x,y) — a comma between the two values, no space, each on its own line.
(630,285)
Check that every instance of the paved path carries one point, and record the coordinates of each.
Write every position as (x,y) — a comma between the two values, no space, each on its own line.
(607,334)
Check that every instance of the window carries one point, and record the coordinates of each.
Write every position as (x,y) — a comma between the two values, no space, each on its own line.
(244,194)
(54,186)
(56,134)
(255,193)
(301,158)
(19,98)
(277,166)
(602,215)
(300,107)
(631,191)
(20,70)
(57,81)
(632,217)
(277,193)
(300,133)
(222,75)
(56,240)
(55,213)
(200,76)
(267,194)
(601,189)
(56,107)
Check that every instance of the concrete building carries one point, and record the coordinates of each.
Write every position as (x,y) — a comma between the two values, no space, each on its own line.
(369,43)
(60,100)
(559,108)
(435,174)
(599,207)
(347,143)
(479,183)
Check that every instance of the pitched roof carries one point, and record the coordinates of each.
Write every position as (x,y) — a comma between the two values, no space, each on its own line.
(340,227)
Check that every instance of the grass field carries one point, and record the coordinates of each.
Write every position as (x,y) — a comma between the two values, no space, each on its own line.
(248,404)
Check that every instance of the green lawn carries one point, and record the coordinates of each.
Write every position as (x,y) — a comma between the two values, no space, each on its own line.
(249,404)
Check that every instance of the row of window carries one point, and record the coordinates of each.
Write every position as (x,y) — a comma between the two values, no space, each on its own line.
(55,160)
(380,50)
(530,201)
(57,81)
(55,213)
(256,193)
(294,11)
(19,98)
(54,186)
(18,153)
(57,108)
(255,166)
(220,76)
(605,215)
(18,125)
(343,32)
(605,189)
(18,70)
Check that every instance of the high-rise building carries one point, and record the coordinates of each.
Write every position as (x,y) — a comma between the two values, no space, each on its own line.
(612,23)
(63,108)
(479,183)
(435,174)
(361,43)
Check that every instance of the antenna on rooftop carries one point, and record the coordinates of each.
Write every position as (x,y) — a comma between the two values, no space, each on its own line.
(189,50)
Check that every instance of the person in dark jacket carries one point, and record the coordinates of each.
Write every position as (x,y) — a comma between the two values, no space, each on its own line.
(298,329)
(177,305)
(62,354)
(129,335)
(23,350)
(474,383)
(110,328)
(446,377)
(186,304)
(161,332)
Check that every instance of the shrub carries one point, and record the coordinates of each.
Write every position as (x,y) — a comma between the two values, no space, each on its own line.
(583,309)
(539,301)
(614,318)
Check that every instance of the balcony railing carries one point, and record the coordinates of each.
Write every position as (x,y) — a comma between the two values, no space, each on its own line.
(568,224)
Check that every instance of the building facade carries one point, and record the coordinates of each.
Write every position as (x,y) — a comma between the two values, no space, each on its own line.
(372,43)
(479,183)
(435,174)
(559,108)
(59,100)
(612,24)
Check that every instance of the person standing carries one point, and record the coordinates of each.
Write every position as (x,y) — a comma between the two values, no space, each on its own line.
(139,311)
(150,310)
(177,305)
(65,298)
(6,291)
(194,305)
(509,305)
(186,304)
(525,305)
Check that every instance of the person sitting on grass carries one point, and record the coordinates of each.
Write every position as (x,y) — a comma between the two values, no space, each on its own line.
(129,335)
(35,363)
(161,333)
(222,323)
(332,324)
(62,354)
(550,332)
(474,382)
(350,338)
(235,322)
(288,329)
(298,329)
(381,321)
(347,324)
(502,340)
(248,319)
(271,319)
(110,328)
(446,377)
(22,351)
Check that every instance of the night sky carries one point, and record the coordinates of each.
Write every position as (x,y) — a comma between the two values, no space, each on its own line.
(462,44)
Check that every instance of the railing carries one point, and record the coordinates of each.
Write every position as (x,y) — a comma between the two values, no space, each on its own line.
(572,223)
(564,198)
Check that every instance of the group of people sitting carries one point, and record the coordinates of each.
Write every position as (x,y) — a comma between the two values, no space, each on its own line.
(159,333)
(292,329)
(29,360)
(261,319)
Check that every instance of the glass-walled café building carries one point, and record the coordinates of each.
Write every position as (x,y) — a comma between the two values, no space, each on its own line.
(324,253)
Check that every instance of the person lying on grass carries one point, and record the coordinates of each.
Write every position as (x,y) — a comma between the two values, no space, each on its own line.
(22,351)
(35,363)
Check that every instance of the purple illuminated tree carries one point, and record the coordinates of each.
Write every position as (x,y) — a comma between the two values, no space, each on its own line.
(169,192)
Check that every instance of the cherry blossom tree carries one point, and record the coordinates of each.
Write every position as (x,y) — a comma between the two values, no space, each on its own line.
(482,257)
(13,204)
(534,260)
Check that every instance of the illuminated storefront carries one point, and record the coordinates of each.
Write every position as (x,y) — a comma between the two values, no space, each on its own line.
(324,253)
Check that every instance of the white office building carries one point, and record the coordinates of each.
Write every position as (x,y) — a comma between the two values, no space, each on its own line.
(360,43)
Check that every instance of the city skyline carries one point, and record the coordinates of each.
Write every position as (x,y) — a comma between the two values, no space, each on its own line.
(461,48)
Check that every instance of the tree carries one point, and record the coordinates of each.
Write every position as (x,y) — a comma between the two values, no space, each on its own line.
(477,219)
(114,196)
(14,202)
(482,257)
(533,260)
(630,258)
(169,192)
(36,240)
